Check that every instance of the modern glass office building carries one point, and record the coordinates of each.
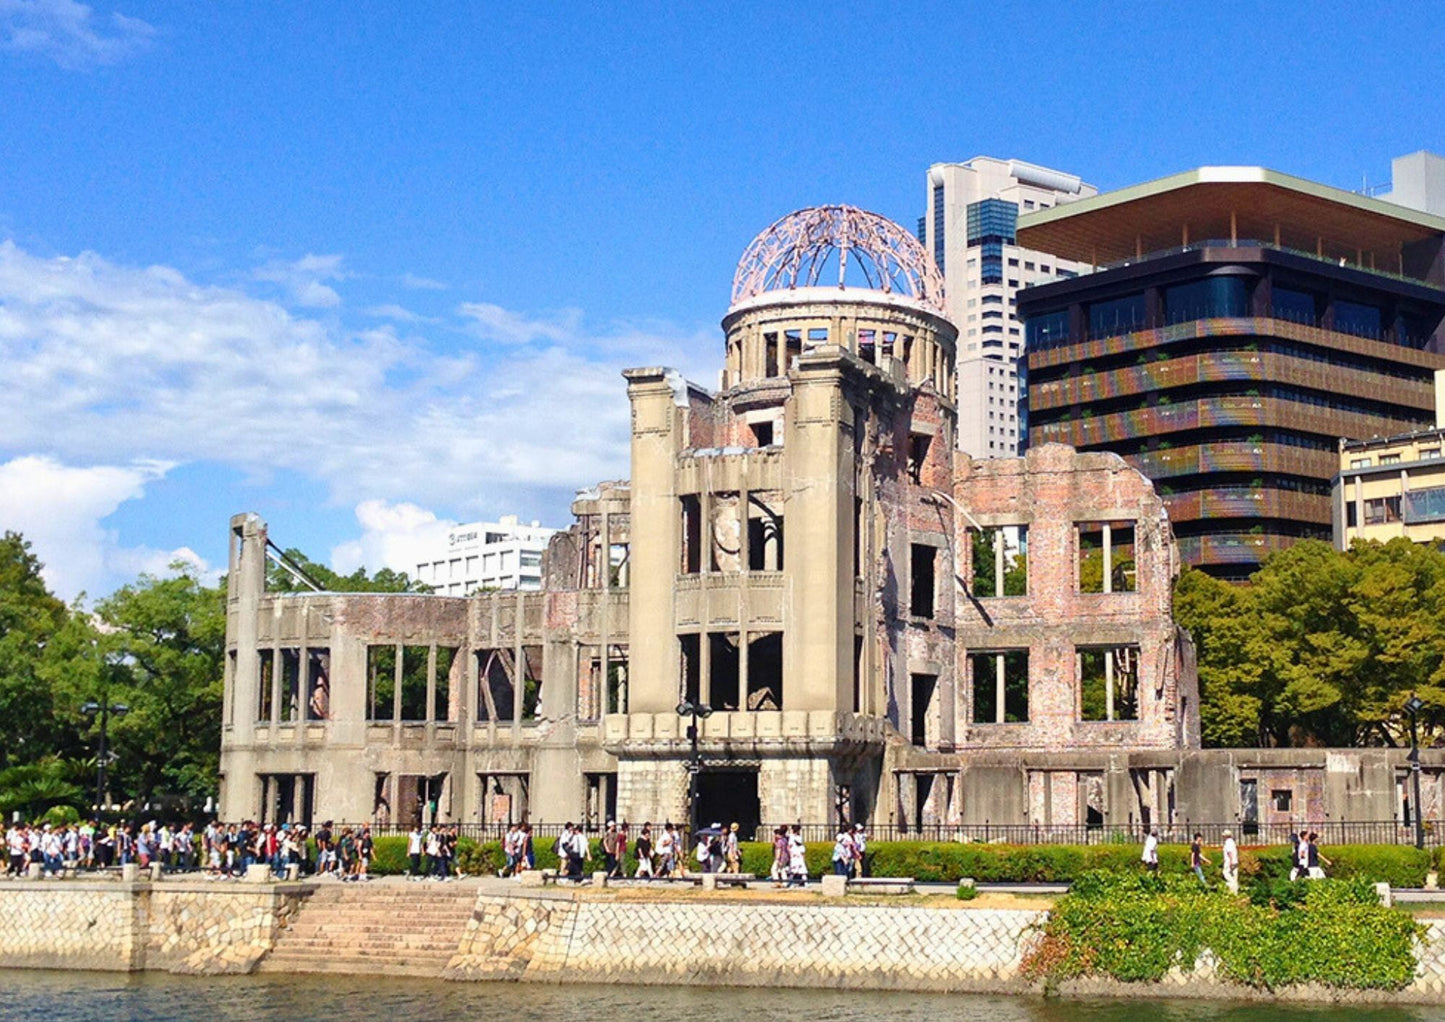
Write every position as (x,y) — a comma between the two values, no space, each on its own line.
(1238,324)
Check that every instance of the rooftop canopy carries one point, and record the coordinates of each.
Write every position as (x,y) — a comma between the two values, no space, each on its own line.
(1232,204)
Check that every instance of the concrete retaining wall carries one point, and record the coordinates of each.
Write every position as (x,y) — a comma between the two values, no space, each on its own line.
(732,944)
(178,926)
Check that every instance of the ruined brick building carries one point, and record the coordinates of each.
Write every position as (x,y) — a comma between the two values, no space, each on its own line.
(884,629)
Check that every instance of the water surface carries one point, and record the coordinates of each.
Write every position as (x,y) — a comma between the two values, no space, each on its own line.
(32,996)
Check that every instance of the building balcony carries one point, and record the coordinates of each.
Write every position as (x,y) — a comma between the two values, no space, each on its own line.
(1166,374)
(1231,547)
(1248,503)
(1242,456)
(1204,413)
(1082,350)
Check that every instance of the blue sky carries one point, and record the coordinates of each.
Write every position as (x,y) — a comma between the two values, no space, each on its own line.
(367,268)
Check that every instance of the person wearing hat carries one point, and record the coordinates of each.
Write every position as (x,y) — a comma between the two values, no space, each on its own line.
(731,853)
(860,848)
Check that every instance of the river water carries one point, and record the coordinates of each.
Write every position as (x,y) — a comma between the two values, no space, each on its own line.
(74,996)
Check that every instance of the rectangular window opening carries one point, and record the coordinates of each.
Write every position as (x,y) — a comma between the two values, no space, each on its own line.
(266,665)
(449,676)
(765,536)
(924,686)
(690,647)
(923,579)
(318,683)
(765,672)
(1000,561)
(1106,557)
(723,663)
(1000,686)
(290,684)
(763,433)
(381,682)
(691,535)
(918,444)
(413,683)
(1108,683)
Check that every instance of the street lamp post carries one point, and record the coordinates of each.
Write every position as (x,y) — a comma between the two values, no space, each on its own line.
(1413,706)
(695,711)
(105,708)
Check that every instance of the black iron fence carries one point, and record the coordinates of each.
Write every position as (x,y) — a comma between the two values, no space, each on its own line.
(1331,832)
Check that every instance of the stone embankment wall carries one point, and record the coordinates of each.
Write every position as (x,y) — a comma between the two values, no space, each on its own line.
(179,926)
(192,926)
(732,944)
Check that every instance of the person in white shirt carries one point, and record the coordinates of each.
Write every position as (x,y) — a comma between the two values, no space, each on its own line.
(666,851)
(1150,857)
(860,849)
(797,858)
(1230,863)
(843,853)
(413,851)
(15,842)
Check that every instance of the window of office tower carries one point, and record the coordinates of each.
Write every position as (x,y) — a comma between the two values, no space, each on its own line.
(1206,299)
(1116,315)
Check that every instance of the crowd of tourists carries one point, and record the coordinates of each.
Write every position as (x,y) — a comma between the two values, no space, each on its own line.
(664,852)
(86,846)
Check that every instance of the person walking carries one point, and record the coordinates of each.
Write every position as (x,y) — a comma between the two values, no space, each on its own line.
(609,847)
(860,850)
(780,857)
(1197,859)
(1313,870)
(732,855)
(667,850)
(797,858)
(644,852)
(619,852)
(1230,864)
(1150,855)
(843,851)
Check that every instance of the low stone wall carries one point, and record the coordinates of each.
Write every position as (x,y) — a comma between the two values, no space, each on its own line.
(732,944)
(111,925)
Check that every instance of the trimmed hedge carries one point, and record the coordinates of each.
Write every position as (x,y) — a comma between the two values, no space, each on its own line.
(945,862)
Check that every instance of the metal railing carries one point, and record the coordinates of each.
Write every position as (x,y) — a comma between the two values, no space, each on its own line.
(1331,832)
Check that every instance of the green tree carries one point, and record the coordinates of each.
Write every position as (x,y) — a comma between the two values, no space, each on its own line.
(30,618)
(1322,646)
(169,637)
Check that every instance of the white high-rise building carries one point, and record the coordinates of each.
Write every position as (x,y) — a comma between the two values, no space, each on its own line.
(972,211)
(505,554)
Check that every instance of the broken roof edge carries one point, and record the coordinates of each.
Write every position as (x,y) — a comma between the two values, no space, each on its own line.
(681,386)
(1229,175)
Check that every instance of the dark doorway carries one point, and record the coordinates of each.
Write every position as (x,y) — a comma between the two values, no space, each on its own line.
(726,797)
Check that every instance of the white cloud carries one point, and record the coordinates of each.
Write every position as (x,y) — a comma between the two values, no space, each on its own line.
(393,536)
(494,323)
(303,279)
(60,509)
(397,313)
(414,283)
(70,33)
(108,363)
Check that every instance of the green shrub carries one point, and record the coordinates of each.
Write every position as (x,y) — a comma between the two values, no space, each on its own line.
(966,892)
(1135,928)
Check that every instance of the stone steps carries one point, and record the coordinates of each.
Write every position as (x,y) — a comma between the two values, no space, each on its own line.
(388,931)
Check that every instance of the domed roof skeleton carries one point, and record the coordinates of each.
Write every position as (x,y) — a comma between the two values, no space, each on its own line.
(795,250)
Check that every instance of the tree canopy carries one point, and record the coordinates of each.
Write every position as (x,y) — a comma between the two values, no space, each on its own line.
(1321,647)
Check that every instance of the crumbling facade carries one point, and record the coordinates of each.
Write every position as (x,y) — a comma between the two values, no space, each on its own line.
(883,629)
